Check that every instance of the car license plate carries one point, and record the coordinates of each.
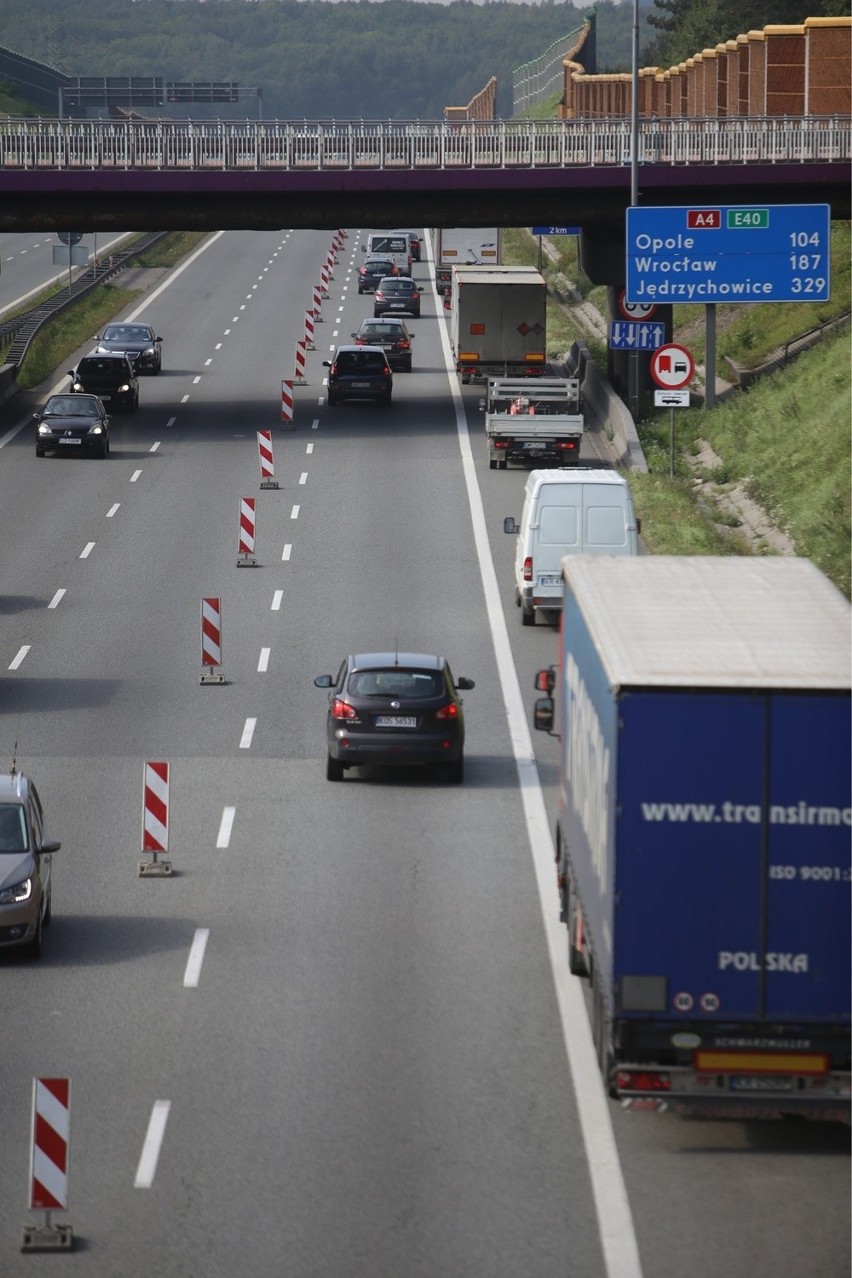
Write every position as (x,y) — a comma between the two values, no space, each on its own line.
(63,440)
(549,581)
(760,1083)
(396,721)
(360,385)
(397,306)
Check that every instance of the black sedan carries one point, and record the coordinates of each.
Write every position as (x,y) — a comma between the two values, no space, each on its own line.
(110,377)
(139,342)
(392,335)
(395,295)
(359,372)
(72,424)
(372,270)
(394,708)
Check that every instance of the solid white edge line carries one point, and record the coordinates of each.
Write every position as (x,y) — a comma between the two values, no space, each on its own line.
(147,1168)
(615,1219)
(192,974)
(223,838)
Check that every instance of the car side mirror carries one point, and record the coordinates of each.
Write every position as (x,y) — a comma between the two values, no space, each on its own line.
(50,845)
(71,372)
(465,685)
(36,417)
(543,714)
(510,526)
(323,681)
(326,363)
(353,334)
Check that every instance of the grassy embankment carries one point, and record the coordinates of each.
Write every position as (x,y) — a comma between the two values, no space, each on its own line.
(786,440)
(72,328)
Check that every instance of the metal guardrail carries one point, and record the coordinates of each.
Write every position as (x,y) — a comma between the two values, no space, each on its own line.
(393,145)
(23,328)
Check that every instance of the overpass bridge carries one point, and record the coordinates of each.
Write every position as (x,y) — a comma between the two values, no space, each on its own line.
(98,175)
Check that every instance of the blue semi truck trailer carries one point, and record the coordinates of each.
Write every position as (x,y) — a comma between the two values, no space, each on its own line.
(703,833)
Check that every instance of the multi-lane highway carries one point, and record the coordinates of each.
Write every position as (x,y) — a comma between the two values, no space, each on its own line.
(27,266)
(341,1040)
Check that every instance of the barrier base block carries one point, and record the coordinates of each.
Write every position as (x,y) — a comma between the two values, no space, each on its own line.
(246,561)
(47,1238)
(269,483)
(212,676)
(155,869)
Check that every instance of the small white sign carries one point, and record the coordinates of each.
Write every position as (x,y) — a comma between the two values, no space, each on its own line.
(671,399)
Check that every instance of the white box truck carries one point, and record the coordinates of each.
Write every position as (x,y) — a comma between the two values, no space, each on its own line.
(498,321)
(464,246)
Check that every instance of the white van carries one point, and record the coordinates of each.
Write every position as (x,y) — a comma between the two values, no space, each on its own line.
(567,512)
(393,244)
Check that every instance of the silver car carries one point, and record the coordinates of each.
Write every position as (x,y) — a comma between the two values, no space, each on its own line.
(25,865)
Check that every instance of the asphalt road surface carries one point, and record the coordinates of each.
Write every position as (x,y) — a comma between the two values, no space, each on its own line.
(341,1040)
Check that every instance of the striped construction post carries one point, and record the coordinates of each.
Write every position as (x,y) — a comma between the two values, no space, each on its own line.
(248,524)
(287,403)
(318,303)
(267,461)
(49,1161)
(155,819)
(331,262)
(309,331)
(211,640)
(299,375)
(324,280)
(337,241)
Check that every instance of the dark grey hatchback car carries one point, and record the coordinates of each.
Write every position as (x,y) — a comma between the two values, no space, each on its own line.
(394,708)
(111,377)
(359,372)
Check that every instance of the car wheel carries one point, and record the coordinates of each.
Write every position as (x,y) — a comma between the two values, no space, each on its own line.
(376,314)
(492,463)
(104,450)
(333,769)
(455,771)
(527,616)
(39,452)
(387,401)
(332,400)
(407,367)
(48,914)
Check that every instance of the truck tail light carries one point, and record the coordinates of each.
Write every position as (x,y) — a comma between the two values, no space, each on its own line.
(643,1080)
(503,443)
(528,568)
(567,445)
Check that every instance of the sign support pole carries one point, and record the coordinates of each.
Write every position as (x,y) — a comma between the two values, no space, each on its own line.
(671,443)
(710,355)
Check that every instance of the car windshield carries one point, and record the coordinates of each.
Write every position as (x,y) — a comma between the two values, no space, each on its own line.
(125,333)
(13,829)
(408,685)
(70,406)
(101,366)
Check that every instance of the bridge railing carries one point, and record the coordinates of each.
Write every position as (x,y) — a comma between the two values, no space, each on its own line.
(394,144)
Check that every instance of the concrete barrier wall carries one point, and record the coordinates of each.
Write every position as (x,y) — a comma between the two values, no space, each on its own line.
(8,383)
(608,410)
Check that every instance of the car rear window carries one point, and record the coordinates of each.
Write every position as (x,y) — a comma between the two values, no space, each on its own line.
(100,366)
(364,361)
(404,684)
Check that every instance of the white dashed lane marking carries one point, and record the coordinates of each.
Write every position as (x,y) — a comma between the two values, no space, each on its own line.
(22,652)
(56,598)
(223,838)
(147,1168)
(196,958)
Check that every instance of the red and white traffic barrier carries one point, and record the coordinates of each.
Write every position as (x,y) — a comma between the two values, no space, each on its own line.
(299,375)
(318,303)
(50,1148)
(324,280)
(211,640)
(331,262)
(248,525)
(155,819)
(337,241)
(286,402)
(267,460)
(309,331)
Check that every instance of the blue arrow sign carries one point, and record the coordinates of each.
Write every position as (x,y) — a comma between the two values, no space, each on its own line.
(727,253)
(636,335)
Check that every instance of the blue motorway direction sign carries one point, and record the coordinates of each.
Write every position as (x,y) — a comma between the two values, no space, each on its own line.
(556,230)
(636,335)
(725,253)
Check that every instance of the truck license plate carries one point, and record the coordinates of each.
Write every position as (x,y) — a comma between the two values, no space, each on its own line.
(760,1083)
(534,446)
(396,721)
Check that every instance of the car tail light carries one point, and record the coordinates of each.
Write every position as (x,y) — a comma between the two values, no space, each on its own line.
(341,710)
(403,345)
(386,371)
(528,569)
(448,712)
